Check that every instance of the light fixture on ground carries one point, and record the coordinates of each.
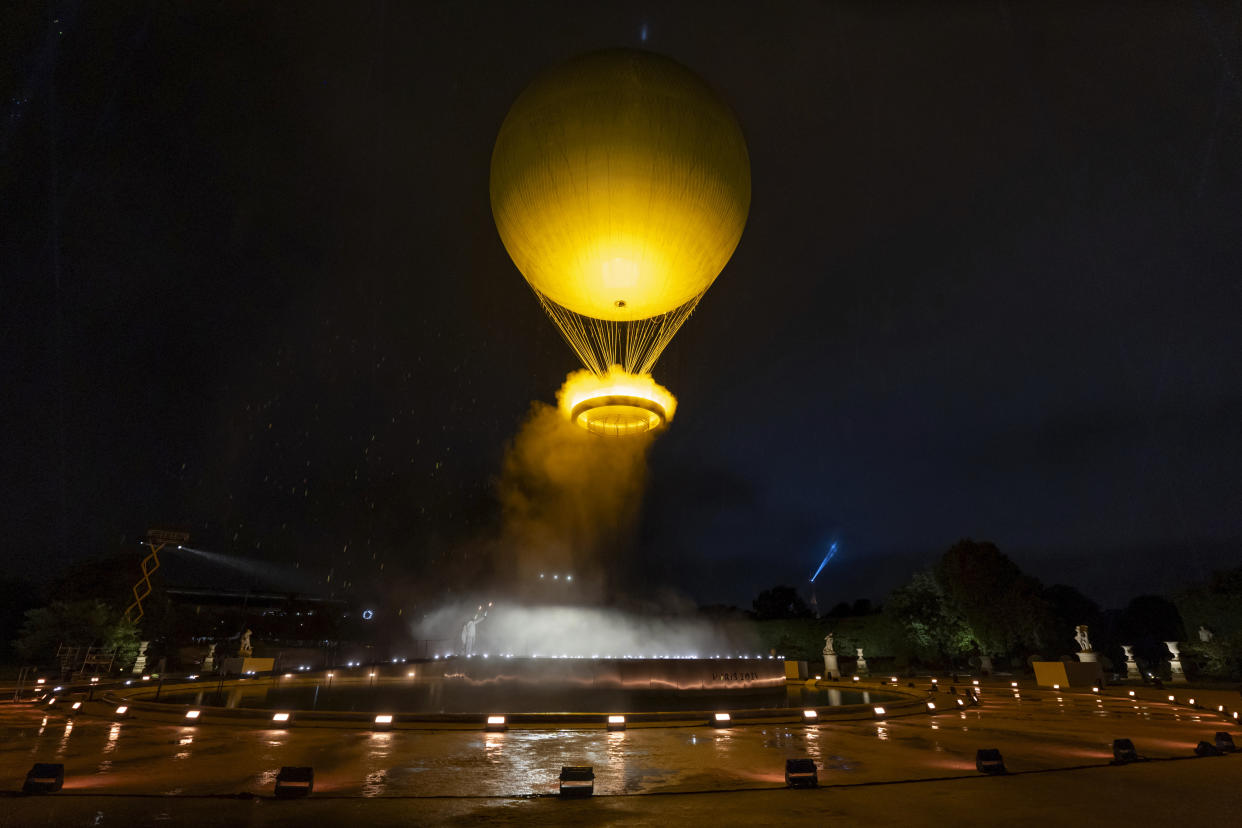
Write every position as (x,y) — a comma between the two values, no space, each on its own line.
(383,721)
(1208,749)
(122,712)
(616,723)
(295,781)
(76,706)
(721,720)
(44,777)
(801,773)
(577,780)
(879,711)
(496,724)
(1124,752)
(810,716)
(931,705)
(192,715)
(1224,742)
(989,760)
(280,718)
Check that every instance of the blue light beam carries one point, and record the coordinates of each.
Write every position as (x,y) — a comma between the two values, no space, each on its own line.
(832,550)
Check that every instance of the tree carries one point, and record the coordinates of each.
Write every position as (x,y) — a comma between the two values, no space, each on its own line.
(928,620)
(1216,605)
(1067,608)
(1003,607)
(780,602)
(84,623)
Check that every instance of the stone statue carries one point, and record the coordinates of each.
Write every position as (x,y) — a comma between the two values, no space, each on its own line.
(244,650)
(1080,635)
(831,668)
(209,660)
(1132,668)
(468,631)
(860,654)
(1205,635)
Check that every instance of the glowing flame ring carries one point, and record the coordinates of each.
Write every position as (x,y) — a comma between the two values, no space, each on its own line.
(644,404)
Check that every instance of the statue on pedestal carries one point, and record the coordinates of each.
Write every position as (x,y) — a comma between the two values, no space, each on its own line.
(468,631)
(209,660)
(1080,635)
(831,669)
(244,650)
(1132,670)
(1177,674)
(861,669)
(1205,635)
(140,663)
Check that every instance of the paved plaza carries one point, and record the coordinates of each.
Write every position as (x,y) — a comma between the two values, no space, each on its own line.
(916,769)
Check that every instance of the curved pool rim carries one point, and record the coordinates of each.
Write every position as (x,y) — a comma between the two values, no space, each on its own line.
(142,704)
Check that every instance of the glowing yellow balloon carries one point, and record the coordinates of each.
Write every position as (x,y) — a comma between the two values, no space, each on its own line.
(620,185)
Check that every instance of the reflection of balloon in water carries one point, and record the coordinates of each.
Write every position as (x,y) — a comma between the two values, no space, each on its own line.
(620,185)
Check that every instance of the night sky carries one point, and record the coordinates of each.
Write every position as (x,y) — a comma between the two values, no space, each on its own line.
(991,286)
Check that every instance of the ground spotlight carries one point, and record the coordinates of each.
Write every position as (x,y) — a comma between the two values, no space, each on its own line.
(1208,749)
(810,716)
(721,720)
(801,773)
(616,723)
(382,722)
(280,718)
(577,780)
(1124,752)
(122,712)
(44,777)
(931,705)
(879,711)
(1013,684)
(496,724)
(192,715)
(77,705)
(1131,694)
(1224,742)
(988,760)
(294,781)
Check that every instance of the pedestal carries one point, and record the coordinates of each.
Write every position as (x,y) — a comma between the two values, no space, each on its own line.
(241,665)
(1178,675)
(1132,670)
(1089,657)
(140,665)
(861,669)
(831,670)
(985,665)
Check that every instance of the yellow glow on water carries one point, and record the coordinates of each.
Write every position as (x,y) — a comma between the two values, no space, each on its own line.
(617,404)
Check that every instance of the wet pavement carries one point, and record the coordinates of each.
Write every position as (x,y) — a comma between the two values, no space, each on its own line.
(1039,731)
